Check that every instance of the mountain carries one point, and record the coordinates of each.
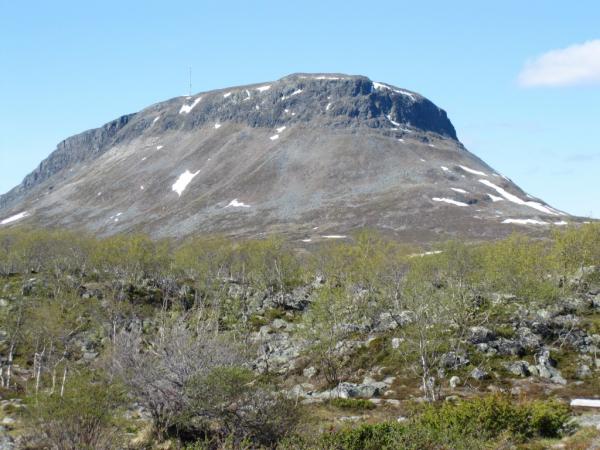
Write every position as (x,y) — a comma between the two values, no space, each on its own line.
(311,156)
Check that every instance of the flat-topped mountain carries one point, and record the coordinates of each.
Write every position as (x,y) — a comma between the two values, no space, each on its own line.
(311,156)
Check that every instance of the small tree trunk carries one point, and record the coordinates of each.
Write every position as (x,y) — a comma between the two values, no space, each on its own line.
(64,381)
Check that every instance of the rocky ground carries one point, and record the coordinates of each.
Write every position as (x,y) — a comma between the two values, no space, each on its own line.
(537,353)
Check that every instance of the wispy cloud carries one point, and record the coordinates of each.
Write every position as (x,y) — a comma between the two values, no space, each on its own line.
(574,65)
(582,157)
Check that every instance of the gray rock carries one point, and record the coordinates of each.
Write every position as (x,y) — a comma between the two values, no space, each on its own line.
(453,360)
(546,367)
(279,324)
(519,368)
(583,371)
(6,441)
(479,374)
(396,342)
(90,356)
(528,340)
(588,420)
(503,347)
(479,335)
(385,322)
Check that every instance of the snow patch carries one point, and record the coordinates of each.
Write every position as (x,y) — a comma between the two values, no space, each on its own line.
(434,252)
(449,200)
(495,198)
(325,78)
(561,223)
(334,236)
(235,204)
(158,147)
(185,109)
(513,198)
(280,129)
(226,95)
(155,120)
(397,91)
(14,218)
(525,221)
(588,403)
(444,168)
(274,137)
(263,88)
(306,240)
(461,191)
(217,126)
(474,172)
(182,182)
(328,106)
(296,92)
(389,117)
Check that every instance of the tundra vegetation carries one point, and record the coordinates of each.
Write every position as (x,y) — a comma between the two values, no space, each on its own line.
(207,343)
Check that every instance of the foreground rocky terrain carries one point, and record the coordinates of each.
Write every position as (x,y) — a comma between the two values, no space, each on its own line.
(310,156)
(364,333)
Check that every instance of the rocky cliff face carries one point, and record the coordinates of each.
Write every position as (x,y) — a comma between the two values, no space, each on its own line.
(309,155)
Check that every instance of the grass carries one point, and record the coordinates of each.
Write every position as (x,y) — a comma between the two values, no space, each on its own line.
(352,403)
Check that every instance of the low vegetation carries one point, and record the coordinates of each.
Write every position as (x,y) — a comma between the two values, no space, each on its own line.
(126,342)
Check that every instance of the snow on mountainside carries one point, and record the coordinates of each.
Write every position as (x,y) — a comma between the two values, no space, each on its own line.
(312,156)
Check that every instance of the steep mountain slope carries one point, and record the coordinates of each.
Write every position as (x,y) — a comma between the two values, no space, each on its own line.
(313,156)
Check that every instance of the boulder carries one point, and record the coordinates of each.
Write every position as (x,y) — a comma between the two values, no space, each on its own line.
(479,374)
(518,368)
(479,335)
(385,322)
(528,339)
(453,360)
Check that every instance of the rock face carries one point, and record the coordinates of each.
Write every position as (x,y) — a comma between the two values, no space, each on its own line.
(312,156)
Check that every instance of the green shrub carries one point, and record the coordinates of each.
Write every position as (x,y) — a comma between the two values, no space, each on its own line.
(83,418)
(549,418)
(490,417)
(386,435)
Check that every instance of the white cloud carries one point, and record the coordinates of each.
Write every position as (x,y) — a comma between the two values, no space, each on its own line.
(574,65)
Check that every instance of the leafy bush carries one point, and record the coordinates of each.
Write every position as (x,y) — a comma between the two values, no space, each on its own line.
(549,418)
(489,417)
(386,435)
(229,403)
(82,418)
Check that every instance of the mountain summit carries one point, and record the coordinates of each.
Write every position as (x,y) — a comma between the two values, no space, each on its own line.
(311,156)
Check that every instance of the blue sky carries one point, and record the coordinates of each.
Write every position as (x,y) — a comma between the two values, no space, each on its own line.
(69,66)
